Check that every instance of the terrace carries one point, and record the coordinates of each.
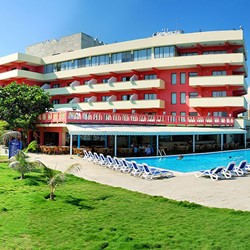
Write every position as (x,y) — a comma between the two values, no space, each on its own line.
(81,117)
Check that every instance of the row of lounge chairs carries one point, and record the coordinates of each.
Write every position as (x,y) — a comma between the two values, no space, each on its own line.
(231,170)
(124,166)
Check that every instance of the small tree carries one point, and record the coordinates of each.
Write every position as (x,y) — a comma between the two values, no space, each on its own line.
(20,163)
(55,178)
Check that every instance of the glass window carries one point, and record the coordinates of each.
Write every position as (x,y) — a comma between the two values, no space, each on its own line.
(143,54)
(219,73)
(104,59)
(105,98)
(125,78)
(219,93)
(182,113)
(55,101)
(83,62)
(48,68)
(183,78)
(105,80)
(94,60)
(73,64)
(193,94)
(150,97)
(126,97)
(189,54)
(173,78)
(85,99)
(64,65)
(116,58)
(151,76)
(183,97)
(54,86)
(192,74)
(163,52)
(193,114)
(220,114)
(127,56)
(173,98)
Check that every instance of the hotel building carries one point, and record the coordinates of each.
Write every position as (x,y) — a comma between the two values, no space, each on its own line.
(153,90)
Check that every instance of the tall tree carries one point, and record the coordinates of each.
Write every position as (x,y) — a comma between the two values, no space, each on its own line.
(20,105)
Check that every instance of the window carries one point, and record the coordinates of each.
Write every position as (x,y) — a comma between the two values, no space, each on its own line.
(189,54)
(173,98)
(126,97)
(163,52)
(193,94)
(103,59)
(219,93)
(84,62)
(48,68)
(73,64)
(173,118)
(183,116)
(183,97)
(183,78)
(151,76)
(54,86)
(85,99)
(127,56)
(105,98)
(105,80)
(220,114)
(116,58)
(143,54)
(214,52)
(150,97)
(125,78)
(193,114)
(173,78)
(55,101)
(192,74)
(219,73)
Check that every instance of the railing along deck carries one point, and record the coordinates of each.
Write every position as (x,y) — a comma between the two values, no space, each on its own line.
(135,119)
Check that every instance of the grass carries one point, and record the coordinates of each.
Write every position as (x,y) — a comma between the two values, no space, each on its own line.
(88,215)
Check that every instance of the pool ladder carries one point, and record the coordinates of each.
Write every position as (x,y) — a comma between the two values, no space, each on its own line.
(161,152)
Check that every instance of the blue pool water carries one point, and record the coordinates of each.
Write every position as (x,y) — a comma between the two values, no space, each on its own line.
(195,162)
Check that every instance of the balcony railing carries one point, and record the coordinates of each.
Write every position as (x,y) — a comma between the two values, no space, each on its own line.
(135,119)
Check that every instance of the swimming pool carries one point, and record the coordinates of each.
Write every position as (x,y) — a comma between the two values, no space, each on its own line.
(195,162)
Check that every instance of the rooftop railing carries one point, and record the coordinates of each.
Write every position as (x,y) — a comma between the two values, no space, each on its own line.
(133,119)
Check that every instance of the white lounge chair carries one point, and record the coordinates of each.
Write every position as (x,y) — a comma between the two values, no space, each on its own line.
(103,161)
(241,168)
(117,164)
(126,166)
(150,172)
(137,170)
(214,174)
(110,162)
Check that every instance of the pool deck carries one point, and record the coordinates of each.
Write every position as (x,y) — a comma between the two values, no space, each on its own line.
(233,193)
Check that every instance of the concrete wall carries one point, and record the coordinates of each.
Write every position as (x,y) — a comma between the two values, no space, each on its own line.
(65,44)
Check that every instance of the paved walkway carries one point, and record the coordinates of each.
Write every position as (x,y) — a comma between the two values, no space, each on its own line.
(233,193)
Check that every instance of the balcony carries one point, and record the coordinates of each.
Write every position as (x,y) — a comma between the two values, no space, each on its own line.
(21,74)
(80,117)
(118,105)
(108,87)
(216,102)
(218,81)
(159,63)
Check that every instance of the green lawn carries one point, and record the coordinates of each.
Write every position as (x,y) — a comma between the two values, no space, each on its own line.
(87,215)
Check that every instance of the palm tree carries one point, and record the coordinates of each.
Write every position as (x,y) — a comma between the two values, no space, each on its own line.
(55,178)
(20,161)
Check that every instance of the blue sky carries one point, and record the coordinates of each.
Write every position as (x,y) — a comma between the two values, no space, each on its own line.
(25,22)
